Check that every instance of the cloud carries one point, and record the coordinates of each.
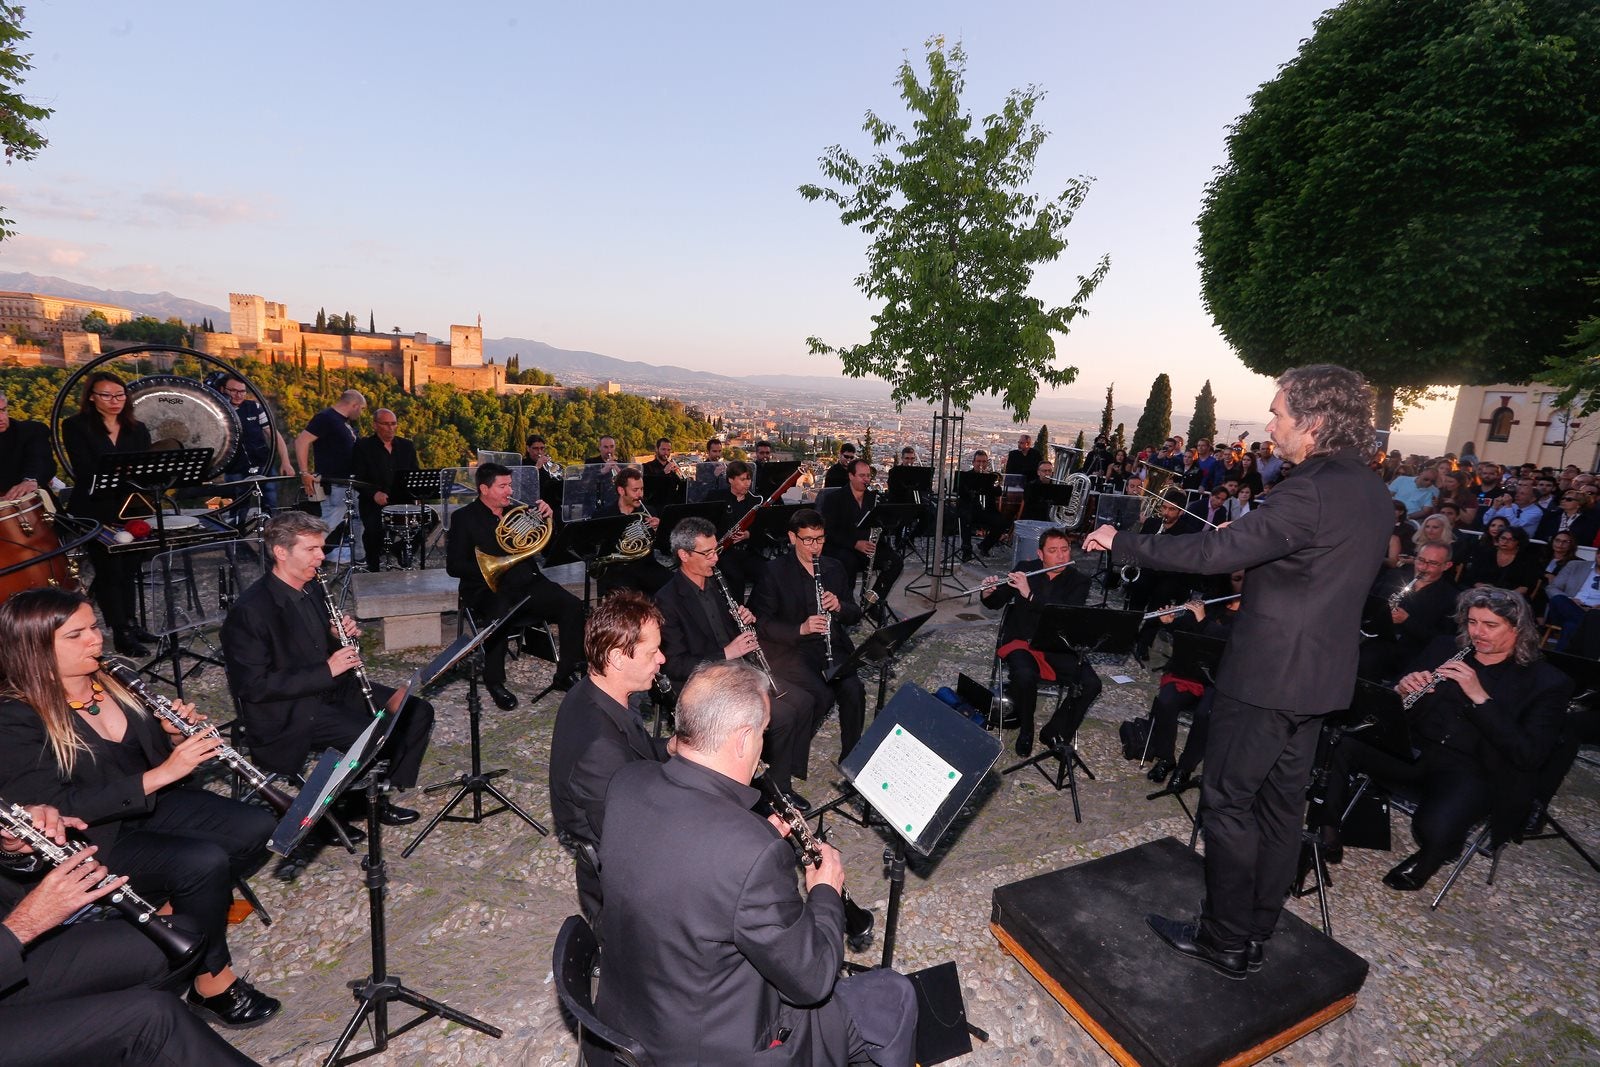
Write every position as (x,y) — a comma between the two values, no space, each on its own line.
(186,208)
(81,198)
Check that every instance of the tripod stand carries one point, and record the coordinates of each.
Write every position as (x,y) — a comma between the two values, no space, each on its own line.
(477,781)
(374,992)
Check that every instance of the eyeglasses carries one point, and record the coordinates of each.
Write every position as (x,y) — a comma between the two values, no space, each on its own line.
(810,540)
(1505,540)
(109,396)
(705,553)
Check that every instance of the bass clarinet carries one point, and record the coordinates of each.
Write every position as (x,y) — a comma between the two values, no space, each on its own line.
(336,618)
(180,946)
(744,628)
(857,920)
(1434,680)
(163,709)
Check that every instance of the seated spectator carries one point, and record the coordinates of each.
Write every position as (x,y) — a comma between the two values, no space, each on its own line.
(1571,514)
(1250,474)
(1505,563)
(1417,493)
(1242,504)
(1399,537)
(1521,512)
(1563,560)
(1434,530)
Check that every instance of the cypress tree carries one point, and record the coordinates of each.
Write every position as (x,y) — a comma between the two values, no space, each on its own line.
(1155,424)
(1109,415)
(1204,422)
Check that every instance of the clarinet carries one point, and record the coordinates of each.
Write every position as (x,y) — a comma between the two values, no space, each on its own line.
(857,920)
(869,595)
(162,708)
(827,634)
(336,618)
(180,946)
(1433,682)
(744,628)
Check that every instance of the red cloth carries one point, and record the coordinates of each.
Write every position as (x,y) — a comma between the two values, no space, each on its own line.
(1184,685)
(1046,672)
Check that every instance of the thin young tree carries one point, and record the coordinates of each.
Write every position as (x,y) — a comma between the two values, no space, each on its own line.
(1204,421)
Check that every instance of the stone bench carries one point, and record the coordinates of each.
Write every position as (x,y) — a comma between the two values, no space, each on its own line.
(413,603)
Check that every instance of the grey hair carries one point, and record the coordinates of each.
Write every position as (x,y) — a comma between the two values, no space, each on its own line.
(1511,606)
(690,530)
(719,698)
(283,530)
(351,396)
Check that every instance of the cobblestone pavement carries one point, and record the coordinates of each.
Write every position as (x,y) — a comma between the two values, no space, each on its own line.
(1509,973)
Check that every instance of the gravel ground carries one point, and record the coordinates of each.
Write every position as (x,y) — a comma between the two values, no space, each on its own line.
(1502,974)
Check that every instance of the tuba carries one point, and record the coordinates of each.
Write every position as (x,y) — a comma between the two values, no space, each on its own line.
(1069,516)
(523,533)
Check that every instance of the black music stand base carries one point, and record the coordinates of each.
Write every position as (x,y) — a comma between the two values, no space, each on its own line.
(475,783)
(1067,763)
(374,993)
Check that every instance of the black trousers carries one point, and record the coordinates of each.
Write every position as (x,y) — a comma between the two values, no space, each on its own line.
(373,536)
(1170,702)
(973,518)
(136,1027)
(1252,804)
(786,746)
(1455,792)
(547,602)
(1023,686)
(848,693)
(338,726)
(113,589)
(188,851)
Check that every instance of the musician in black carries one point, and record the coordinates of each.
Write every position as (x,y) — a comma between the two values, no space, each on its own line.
(26,460)
(980,511)
(257,436)
(475,528)
(698,627)
(1420,601)
(851,545)
(1157,589)
(803,639)
(86,993)
(1024,459)
(1189,691)
(380,461)
(1485,731)
(711,475)
(537,455)
(838,475)
(640,571)
(103,428)
(741,562)
(1098,457)
(299,687)
(1026,597)
(672,490)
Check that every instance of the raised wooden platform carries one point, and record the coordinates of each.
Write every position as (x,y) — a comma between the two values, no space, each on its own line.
(1081,932)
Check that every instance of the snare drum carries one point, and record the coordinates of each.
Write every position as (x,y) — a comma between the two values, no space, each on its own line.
(28,532)
(403,518)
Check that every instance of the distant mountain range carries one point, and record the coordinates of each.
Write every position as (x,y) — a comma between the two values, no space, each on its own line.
(160,305)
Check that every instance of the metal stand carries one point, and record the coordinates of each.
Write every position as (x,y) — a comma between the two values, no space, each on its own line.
(374,992)
(947,429)
(1067,763)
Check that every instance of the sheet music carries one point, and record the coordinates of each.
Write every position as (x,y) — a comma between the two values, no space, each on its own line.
(906,781)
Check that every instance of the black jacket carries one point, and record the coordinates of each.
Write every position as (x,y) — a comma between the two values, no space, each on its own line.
(785,597)
(86,442)
(371,462)
(692,634)
(594,736)
(1066,586)
(25,452)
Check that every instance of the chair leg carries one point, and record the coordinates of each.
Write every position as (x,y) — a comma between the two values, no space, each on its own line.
(254,901)
(1461,865)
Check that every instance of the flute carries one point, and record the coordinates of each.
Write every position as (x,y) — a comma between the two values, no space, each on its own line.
(179,945)
(995,581)
(336,618)
(163,708)
(1411,698)
(744,628)
(1175,608)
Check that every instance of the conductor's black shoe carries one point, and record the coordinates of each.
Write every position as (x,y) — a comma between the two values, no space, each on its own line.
(1255,954)
(1411,873)
(395,815)
(127,645)
(564,680)
(1161,770)
(1190,940)
(503,698)
(1025,744)
(239,1007)
(798,802)
(1181,779)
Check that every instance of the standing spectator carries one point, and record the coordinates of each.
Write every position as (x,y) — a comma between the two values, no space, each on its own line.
(330,437)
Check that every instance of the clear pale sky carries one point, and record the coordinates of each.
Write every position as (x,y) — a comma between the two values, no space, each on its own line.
(619,177)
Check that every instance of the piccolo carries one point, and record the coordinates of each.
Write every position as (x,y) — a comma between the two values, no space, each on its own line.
(179,945)
(1433,681)
(1175,608)
(162,708)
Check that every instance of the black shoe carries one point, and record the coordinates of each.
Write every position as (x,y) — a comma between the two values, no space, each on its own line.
(503,698)
(127,645)
(797,801)
(395,815)
(1332,849)
(565,680)
(1161,770)
(1182,778)
(1141,655)
(1190,940)
(139,633)
(239,1007)
(1255,954)
(1025,743)
(1411,873)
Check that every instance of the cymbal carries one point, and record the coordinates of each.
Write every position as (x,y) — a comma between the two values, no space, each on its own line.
(250,479)
(354,483)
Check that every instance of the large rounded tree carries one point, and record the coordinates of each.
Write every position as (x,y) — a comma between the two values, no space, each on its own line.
(1416,195)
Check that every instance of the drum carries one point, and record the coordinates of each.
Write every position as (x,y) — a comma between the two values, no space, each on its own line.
(28,536)
(404,526)
(183,413)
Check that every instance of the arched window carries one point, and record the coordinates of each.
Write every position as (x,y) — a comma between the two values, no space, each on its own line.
(1500,422)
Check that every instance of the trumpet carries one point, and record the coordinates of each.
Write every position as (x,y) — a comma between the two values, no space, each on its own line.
(336,618)
(744,628)
(523,533)
(180,946)
(162,708)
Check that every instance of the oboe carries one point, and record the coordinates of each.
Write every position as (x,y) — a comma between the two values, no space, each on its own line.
(744,628)
(827,633)
(857,920)
(1412,698)
(179,945)
(336,618)
(162,708)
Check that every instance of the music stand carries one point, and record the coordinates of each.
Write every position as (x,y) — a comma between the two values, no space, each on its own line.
(586,539)
(713,511)
(464,650)
(664,490)
(1080,630)
(773,473)
(983,484)
(771,525)
(1050,494)
(904,482)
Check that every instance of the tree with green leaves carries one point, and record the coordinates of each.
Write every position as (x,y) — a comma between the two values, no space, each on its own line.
(19,120)
(372,327)
(1416,195)
(1078,445)
(1155,422)
(1204,421)
(1109,414)
(1041,440)
(1118,438)
(866,446)
(95,322)
(322,319)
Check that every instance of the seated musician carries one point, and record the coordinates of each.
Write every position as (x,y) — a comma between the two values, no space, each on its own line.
(980,511)
(838,474)
(1027,597)
(85,993)
(851,545)
(26,459)
(598,728)
(712,474)
(663,467)
(745,961)
(741,564)
(1034,507)
(299,687)
(1157,589)
(698,627)
(72,738)
(1188,692)
(1485,732)
(1421,606)
(537,454)
(640,572)
(805,639)
(475,528)
(379,461)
